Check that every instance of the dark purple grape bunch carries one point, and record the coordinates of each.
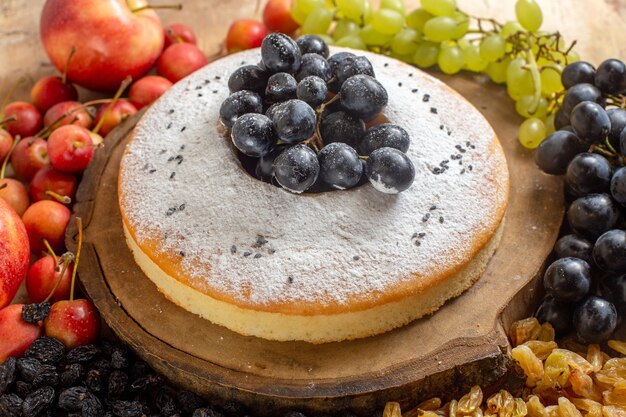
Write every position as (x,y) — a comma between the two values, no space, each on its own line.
(300,117)
(586,285)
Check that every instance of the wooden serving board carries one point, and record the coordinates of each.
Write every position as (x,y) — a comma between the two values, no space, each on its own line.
(462,344)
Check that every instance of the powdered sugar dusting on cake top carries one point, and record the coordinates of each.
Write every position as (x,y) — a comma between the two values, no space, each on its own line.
(235,235)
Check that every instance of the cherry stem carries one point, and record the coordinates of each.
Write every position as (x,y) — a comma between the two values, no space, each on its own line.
(150,7)
(7,120)
(50,250)
(79,225)
(67,65)
(6,158)
(19,82)
(116,97)
(66,263)
(63,199)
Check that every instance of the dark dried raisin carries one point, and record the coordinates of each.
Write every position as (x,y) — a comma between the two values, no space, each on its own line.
(34,313)
(138,370)
(93,380)
(7,374)
(23,388)
(234,409)
(118,384)
(28,368)
(119,359)
(37,402)
(71,399)
(102,365)
(165,402)
(207,412)
(10,405)
(127,408)
(189,401)
(46,350)
(71,375)
(82,354)
(48,375)
(92,407)
(148,381)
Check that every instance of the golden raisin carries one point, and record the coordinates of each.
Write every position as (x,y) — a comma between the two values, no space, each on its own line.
(471,401)
(392,409)
(618,346)
(583,385)
(567,409)
(535,407)
(524,330)
(541,349)
(530,364)
(594,357)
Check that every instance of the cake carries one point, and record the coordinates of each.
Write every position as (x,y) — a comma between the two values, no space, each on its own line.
(262,261)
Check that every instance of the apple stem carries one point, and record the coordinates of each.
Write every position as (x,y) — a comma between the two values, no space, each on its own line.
(67,258)
(50,250)
(179,39)
(6,158)
(4,185)
(116,97)
(7,120)
(63,199)
(7,98)
(67,65)
(79,225)
(150,7)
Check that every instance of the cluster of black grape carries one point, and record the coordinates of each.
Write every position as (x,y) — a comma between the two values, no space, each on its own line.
(586,285)
(279,113)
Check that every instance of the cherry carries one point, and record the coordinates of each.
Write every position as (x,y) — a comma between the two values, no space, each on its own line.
(46,219)
(16,335)
(147,89)
(180,60)
(245,34)
(73,322)
(277,16)
(65,113)
(49,278)
(109,116)
(178,33)
(29,156)
(70,148)
(52,184)
(27,121)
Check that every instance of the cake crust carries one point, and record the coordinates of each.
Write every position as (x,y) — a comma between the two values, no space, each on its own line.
(218,231)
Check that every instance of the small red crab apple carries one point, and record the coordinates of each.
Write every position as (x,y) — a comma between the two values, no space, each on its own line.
(65,113)
(47,273)
(27,120)
(46,220)
(52,184)
(245,34)
(13,191)
(14,253)
(180,60)
(113,114)
(73,322)
(16,335)
(178,33)
(6,140)
(53,89)
(70,148)
(147,89)
(277,16)
(29,156)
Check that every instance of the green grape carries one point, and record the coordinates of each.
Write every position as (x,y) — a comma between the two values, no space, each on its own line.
(298,15)
(345,27)
(397,5)
(351,41)
(529,14)
(426,54)
(472,58)
(518,79)
(497,70)
(439,7)
(400,57)
(387,21)
(531,133)
(462,22)
(524,107)
(439,29)
(450,59)
(356,10)
(551,79)
(405,42)
(417,19)
(548,122)
(373,37)
(326,38)
(307,6)
(318,21)
(492,48)
(510,28)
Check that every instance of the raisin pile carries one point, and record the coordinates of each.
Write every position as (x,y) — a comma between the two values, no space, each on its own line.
(106,380)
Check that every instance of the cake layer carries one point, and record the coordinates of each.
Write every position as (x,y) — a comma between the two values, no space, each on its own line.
(192,213)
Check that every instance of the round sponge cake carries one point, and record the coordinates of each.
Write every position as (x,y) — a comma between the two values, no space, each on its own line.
(339,265)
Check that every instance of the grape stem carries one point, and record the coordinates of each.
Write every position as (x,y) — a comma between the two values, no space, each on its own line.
(536,77)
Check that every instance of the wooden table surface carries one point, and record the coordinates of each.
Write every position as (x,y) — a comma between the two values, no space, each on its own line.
(596,24)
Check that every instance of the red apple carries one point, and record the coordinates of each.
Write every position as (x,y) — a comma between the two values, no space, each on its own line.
(147,89)
(75,113)
(178,33)
(48,220)
(121,110)
(52,184)
(70,148)
(14,193)
(113,39)
(74,323)
(180,60)
(27,119)
(14,253)
(51,90)
(6,141)
(277,16)
(16,335)
(245,34)
(43,276)
(29,156)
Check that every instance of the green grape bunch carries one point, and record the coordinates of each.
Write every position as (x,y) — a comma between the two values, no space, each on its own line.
(515,53)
